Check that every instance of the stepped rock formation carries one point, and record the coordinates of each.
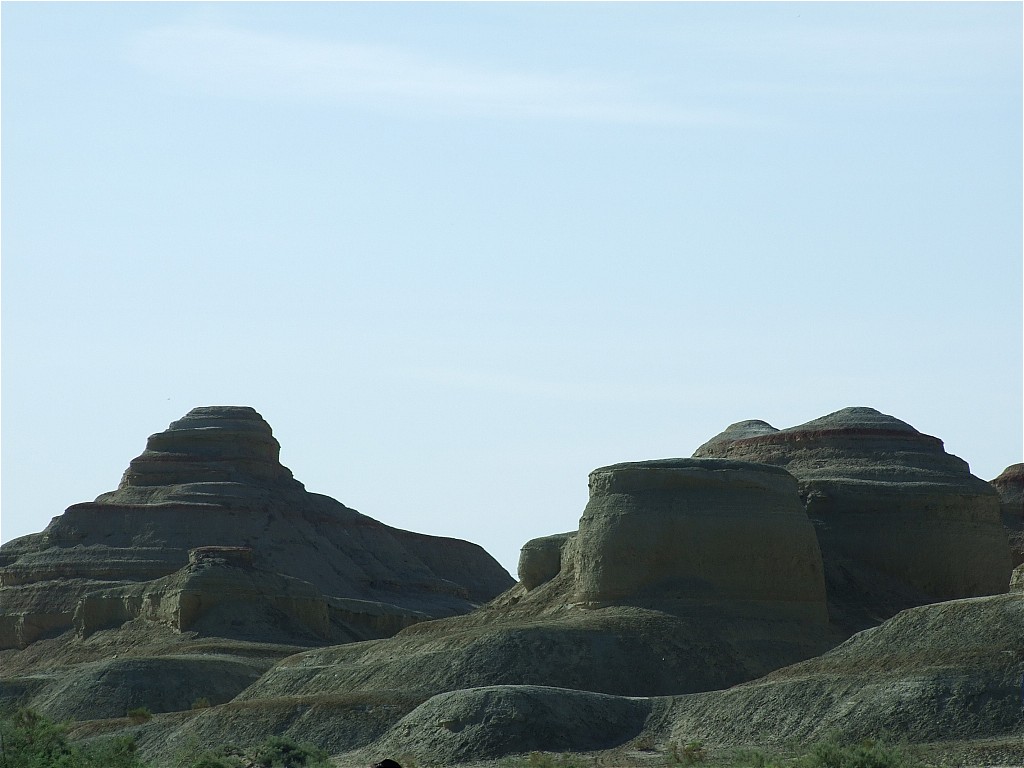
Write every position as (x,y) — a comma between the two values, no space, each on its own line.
(214,478)
(685,575)
(670,615)
(1010,487)
(900,522)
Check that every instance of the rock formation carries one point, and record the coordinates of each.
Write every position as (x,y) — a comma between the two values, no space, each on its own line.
(212,579)
(720,533)
(948,673)
(900,522)
(685,575)
(540,560)
(1010,487)
(945,672)
(214,478)
(221,593)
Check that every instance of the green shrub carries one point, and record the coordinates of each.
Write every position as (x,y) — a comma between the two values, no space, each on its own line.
(30,740)
(755,758)
(209,761)
(228,756)
(867,754)
(115,752)
(140,714)
(275,752)
(548,760)
(282,752)
(201,703)
(689,753)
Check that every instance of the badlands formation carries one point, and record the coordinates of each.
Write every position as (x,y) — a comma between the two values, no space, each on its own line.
(846,576)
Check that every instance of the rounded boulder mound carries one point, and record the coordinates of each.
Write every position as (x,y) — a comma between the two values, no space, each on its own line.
(491,722)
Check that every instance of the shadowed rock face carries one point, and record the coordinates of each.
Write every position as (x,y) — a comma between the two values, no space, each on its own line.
(900,521)
(1010,487)
(214,478)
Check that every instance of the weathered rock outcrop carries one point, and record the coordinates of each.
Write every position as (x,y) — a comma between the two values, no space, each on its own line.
(1017,579)
(540,560)
(1010,487)
(221,593)
(944,672)
(900,522)
(685,575)
(214,478)
(948,673)
(727,534)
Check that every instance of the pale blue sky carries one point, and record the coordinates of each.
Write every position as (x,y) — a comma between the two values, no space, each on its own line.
(459,255)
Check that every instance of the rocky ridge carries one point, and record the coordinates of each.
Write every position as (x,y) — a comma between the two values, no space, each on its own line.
(705,598)
(652,596)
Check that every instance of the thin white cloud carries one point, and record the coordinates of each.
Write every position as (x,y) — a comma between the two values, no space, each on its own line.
(863,57)
(529,387)
(242,63)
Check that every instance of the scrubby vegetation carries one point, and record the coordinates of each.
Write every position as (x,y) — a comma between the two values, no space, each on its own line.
(140,714)
(825,754)
(29,740)
(275,752)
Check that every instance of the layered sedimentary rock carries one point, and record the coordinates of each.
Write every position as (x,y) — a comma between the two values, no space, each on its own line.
(214,478)
(221,593)
(947,673)
(540,560)
(685,575)
(900,522)
(729,534)
(1010,487)
(944,672)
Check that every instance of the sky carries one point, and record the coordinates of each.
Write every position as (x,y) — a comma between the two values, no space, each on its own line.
(458,255)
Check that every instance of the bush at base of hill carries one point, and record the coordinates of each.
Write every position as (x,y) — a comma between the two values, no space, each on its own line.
(29,740)
(275,752)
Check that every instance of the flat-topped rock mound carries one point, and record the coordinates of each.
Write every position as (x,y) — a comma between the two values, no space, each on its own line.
(214,478)
(1010,487)
(730,534)
(900,522)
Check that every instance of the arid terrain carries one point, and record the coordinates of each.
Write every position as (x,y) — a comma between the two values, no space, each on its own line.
(845,579)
